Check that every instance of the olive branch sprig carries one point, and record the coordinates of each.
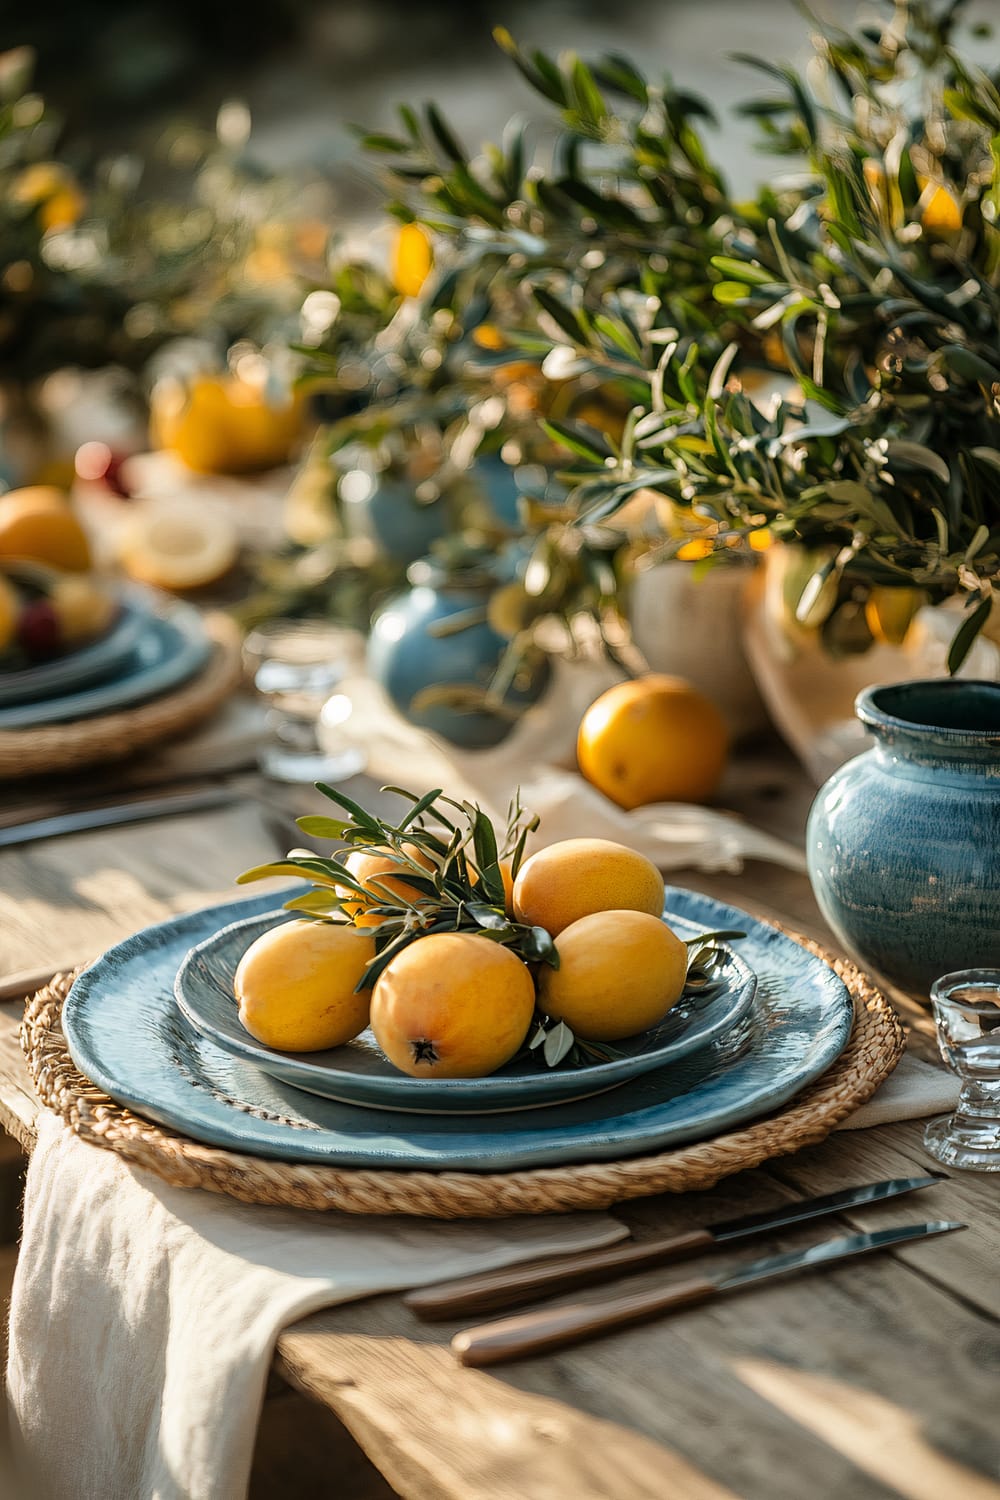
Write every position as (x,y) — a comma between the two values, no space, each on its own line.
(451,861)
(448,854)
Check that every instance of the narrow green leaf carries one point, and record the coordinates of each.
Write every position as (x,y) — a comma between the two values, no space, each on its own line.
(300,869)
(967,632)
(323,828)
(361,817)
(420,806)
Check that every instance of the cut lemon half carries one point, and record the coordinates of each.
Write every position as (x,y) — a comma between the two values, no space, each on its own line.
(177,545)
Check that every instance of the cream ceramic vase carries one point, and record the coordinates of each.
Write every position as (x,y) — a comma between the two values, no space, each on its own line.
(810,694)
(691,625)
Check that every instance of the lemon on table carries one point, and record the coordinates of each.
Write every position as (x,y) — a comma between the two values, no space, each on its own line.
(619,973)
(177,545)
(577,877)
(222,424)
(655,739)
(37,524)
(296,986)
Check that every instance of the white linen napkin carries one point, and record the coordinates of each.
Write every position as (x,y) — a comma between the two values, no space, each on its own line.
(913,1091)
(144,1317)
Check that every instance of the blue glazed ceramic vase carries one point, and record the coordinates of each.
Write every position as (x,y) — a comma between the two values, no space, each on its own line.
(903,843)
(435,653)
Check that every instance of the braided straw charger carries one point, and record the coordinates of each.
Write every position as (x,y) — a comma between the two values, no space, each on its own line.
(109,737)
(875,1047)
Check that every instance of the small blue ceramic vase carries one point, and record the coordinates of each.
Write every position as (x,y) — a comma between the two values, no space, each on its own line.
(903,843)
(436,636)
(398,523)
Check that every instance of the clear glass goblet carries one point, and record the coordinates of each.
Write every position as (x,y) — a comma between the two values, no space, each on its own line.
(967,1013)
(296,666)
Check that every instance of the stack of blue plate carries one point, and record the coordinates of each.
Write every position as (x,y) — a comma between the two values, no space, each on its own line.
(153,1023)
(155,645)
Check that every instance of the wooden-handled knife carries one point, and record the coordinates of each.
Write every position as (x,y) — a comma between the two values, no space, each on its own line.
(555,1327)
(516,1285)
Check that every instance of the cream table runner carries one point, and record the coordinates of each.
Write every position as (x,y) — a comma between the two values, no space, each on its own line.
(144,1317)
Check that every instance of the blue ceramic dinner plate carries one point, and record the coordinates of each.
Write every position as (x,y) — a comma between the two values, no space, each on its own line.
(359,1073)
(127,1035)
(78,669)
(172,645)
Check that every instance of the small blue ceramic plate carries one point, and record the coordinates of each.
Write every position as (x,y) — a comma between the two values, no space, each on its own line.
(360,1073)
(171,646)
(126,1033)
(78,669)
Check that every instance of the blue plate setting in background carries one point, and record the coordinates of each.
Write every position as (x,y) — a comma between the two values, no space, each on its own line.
(359,1073)
(126,1033)
(91,663)
(169,647)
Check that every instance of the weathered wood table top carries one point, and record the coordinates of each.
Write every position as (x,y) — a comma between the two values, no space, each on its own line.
(873,1380)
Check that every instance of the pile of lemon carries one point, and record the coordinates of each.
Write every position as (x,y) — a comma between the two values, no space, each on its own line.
(455,1004)
(50,601)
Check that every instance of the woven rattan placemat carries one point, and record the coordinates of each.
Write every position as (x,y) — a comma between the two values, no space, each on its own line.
(875,1046)
(110,737)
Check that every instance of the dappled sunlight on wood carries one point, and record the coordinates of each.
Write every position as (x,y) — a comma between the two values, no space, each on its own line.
(880,1437)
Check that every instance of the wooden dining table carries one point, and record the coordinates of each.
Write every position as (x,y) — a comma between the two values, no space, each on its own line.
(872,1380)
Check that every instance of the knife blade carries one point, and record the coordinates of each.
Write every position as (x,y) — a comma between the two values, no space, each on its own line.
(554,1328)
(87,819)
(515,1285)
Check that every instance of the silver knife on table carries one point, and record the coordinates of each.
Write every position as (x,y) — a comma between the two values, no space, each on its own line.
(115,815)
(555,1327)
(514,1285)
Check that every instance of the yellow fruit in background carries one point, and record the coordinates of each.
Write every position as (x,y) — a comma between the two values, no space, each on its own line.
(224,425)
(508,884)
(576,877)
(412,259)
(653,740)
(10,606)
(941,212)
(452,1005)
(36,523)
(381,874)
(889,613)
(619,973)
(84,610)
(296,986)
(177,545)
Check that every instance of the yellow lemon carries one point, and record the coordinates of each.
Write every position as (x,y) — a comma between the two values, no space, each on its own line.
(296,986)
(889,612)
(381,873)
(653,740)
(36,523)
(177,545)
(576,877)
(223,424)
(619,973)
(452,1005)
(412,259)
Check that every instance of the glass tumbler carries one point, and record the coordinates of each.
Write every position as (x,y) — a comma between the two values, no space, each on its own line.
(296,667)
(967,1013)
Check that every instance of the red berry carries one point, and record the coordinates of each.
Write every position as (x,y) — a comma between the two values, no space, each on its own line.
(38,630)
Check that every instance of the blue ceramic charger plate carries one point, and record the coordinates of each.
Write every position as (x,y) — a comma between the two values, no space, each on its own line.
(359,1073)
(91,663)
(171,646)
(127,1035)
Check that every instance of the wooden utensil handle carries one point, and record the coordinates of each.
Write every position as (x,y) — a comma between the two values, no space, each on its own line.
(515,1285)
(555,1327)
